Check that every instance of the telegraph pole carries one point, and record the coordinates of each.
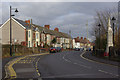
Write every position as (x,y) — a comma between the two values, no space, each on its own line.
(87,32)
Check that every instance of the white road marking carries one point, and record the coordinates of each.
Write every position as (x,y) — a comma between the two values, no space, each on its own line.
(83,65)
(108,72)
(99,63)
(22,70)
(75,63)
(14,61)
(66,59)
(68,75)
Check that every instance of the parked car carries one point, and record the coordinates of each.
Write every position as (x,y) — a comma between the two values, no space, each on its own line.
(58,49)
(77,49)
(53,49)
(85,49)
(81,49)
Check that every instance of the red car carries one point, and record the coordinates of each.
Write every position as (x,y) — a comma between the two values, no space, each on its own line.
(53,49)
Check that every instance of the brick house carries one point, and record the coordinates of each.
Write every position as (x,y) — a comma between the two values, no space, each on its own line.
(47,35)
(19,31)
(82,43)
(31,35)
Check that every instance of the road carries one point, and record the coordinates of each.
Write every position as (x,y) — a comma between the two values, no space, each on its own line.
(68,64)
(72,65)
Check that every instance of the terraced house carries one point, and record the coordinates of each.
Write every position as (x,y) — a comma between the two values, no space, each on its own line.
(31,35)
(82,43)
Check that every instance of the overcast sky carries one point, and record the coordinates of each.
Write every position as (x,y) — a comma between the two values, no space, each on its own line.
(64,15)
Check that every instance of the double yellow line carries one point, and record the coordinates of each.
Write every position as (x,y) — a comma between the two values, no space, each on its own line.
(10,72)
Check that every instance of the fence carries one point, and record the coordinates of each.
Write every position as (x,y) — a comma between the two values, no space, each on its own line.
(21,50)
(98,52)
(114,54)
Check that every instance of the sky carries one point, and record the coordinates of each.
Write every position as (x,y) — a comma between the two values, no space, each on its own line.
(67,16)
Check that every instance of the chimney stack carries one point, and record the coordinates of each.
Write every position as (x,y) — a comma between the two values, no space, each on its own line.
(81,37)
(27,21)
(47,26)
(56,29)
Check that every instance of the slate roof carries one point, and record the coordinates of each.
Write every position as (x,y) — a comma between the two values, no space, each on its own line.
(40,28)
(52,32)
(23,23)
(82,40)
(1,25)
(26,25)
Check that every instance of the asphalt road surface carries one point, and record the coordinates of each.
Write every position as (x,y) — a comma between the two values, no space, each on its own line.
(68,64)
(71,65)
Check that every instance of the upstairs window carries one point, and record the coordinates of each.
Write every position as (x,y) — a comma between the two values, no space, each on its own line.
(36,35)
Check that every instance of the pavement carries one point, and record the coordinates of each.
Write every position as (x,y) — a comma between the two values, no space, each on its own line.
(9,71)
(4,62)
(64,65)
(106,61)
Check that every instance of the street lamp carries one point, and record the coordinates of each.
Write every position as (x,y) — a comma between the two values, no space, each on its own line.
(99,34)
(14,46)
(113,19)
(11,28)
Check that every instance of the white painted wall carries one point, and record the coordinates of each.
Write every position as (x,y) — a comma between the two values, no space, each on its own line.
(48,39)
(43,37)
(37,38)
(30,38)
(77,45)
(73,43)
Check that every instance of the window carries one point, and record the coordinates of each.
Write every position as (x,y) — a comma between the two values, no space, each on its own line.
(29,33)
(36,35)
(37,44)
(29,44)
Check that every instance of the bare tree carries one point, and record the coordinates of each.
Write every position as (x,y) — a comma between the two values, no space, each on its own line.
(102,18)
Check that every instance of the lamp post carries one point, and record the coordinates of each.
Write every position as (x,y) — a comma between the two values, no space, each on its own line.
(14,46)
(11,28)
(99,34)
(113,19)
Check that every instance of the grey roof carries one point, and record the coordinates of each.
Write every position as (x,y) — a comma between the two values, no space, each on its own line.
(66,35)
(23,23)
(26,25)
(52,32)
(1,25)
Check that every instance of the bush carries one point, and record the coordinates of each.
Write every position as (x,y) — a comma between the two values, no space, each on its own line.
(46,46)
(99,52)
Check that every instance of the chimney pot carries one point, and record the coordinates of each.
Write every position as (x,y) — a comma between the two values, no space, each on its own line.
(84,38)
(81,37)
(27,21)
(78,37)
(56,29)
(47,26)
